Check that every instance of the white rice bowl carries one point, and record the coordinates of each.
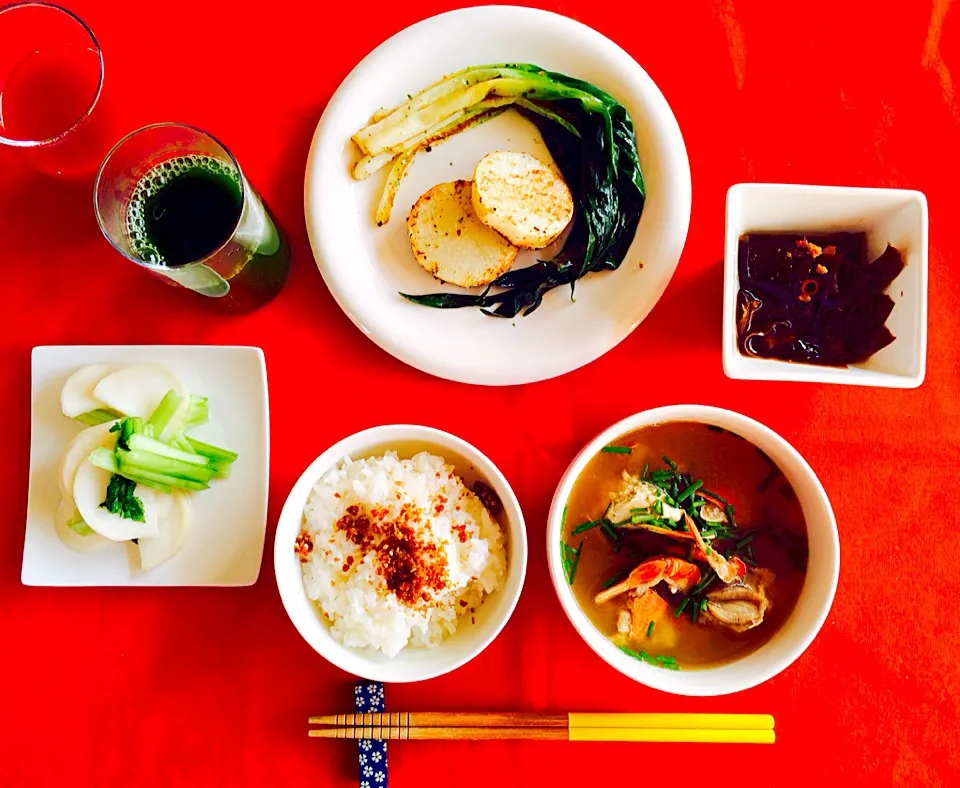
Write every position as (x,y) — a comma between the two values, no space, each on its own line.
(346,580)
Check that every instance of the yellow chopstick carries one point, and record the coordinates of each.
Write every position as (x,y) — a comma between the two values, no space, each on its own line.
(743,722)
(692,735)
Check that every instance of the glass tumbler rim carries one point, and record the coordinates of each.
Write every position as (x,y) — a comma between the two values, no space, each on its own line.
(15,143)
(151,127)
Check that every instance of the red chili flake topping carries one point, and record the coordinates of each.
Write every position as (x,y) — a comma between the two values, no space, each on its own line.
(411,568)
(461,531)
(303,546)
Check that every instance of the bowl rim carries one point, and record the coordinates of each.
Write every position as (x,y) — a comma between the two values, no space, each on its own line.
(290,583)
(657,678)
(739,367)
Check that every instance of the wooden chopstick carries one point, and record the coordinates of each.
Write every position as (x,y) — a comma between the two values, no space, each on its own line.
(694,735)
(456,719)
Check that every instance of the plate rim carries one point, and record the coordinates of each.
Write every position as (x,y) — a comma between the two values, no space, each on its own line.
(323,252)
(27,572)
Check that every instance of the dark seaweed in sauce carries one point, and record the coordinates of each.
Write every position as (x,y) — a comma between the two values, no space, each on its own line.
(814,298)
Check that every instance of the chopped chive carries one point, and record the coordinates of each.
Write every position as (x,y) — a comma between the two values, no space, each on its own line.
(658,506)
(640,510)
(661,662)
(697,504)
(569,558)
(563,517)
(616,449)
(576,563)
(650,628)
(670,462)
(729,510)
(693,613)
(703,605)
(607,527)
(745,541)
(646,467)
(749,561)
(612,581)
(643,518)
(690,491)
(705,534)
(768,480)
(681,607)
(713,495)
(708,551)
(585,526)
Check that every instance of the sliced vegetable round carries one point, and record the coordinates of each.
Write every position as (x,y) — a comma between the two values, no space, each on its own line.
(77,395)
(138,390)
(174,520)
(69,531)
(78,450)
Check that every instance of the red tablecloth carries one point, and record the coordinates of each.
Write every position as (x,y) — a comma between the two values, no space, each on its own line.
(213,687)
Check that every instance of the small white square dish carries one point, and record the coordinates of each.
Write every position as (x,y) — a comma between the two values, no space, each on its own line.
(225,543)
(887,216)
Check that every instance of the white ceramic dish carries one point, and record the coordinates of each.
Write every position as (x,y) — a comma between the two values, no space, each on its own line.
(895,216)
(225,543)
(411,664)
(365,266)
(815,599)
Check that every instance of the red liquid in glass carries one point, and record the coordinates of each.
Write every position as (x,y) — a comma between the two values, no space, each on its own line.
(45,95)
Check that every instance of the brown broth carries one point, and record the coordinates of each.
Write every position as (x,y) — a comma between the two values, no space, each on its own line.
(729,466)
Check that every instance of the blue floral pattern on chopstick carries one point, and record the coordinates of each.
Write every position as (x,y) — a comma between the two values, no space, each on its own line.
(371,753)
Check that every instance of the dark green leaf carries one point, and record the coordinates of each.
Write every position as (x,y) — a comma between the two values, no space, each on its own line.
(121,500)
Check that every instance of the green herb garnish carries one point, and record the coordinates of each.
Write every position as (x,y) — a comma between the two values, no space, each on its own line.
(744,542)
(671,463)
(569,558)
(646,467)
(643,518)
(585,526)
(729,511)
(121,500)
(650,628)
(681,607)
(689,491)
(612,581)
(660,662)
(616,450)
(708,493)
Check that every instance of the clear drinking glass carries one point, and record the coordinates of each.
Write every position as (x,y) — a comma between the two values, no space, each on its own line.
(51,76)
(174,200)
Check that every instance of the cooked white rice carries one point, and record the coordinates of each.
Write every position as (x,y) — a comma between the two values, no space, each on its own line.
(439,518)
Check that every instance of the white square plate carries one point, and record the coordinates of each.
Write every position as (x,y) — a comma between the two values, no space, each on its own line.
(894,216)
(225,544)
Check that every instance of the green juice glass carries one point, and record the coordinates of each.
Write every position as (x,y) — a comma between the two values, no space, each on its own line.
(172,199)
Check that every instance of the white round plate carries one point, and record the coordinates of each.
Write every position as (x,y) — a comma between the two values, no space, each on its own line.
(366,267)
